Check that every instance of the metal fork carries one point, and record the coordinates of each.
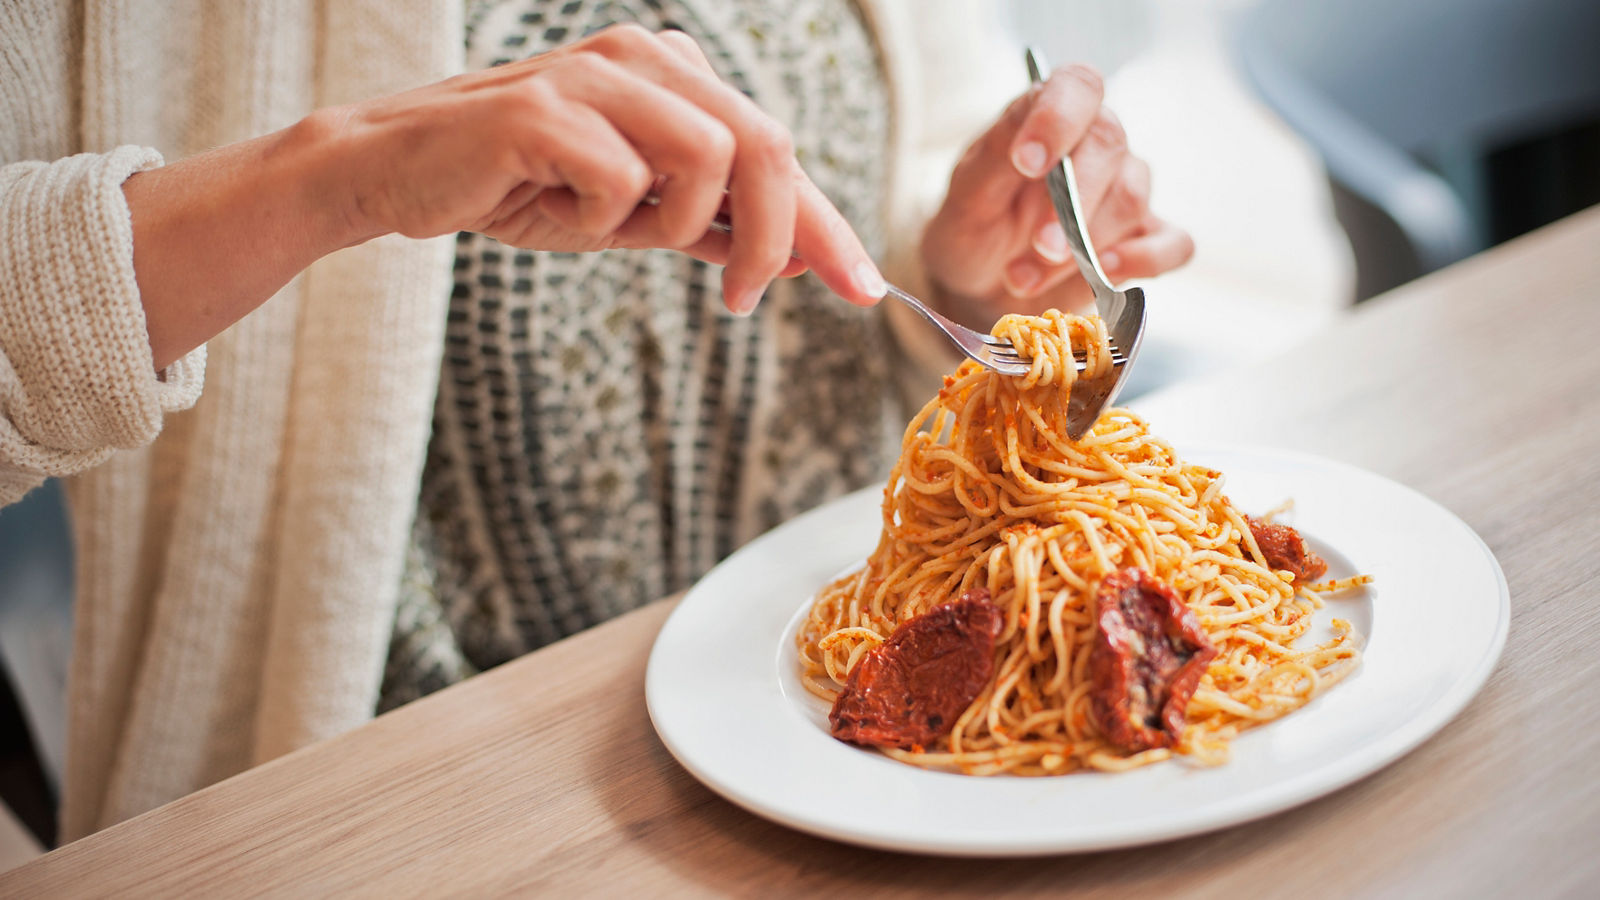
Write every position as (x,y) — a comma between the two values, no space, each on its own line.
(985,349)
(1122,311)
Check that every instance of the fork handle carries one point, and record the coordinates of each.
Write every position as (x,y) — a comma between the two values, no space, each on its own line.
(1062,183)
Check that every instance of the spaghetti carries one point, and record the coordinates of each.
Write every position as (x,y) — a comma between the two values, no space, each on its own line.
(989,494)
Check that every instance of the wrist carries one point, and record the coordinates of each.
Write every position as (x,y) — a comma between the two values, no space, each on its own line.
(321,162)
(216,234)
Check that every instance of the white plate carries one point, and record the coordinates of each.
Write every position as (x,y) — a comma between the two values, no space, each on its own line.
(725,698)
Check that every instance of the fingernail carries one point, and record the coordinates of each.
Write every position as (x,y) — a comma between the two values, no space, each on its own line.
(868,281)
(1030,159)
(1052,242)
(1023,276)
(1109,260)
(743,302)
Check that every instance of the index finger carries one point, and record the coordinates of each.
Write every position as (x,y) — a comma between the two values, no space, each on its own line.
(773,204)
(827,243)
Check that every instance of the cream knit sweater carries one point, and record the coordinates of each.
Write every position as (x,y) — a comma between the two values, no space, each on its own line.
(237,575)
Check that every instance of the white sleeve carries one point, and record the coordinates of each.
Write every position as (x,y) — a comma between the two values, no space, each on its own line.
(77,380)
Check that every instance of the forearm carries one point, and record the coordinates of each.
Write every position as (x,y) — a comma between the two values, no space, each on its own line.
(76,372)
(217,234)
(551,153)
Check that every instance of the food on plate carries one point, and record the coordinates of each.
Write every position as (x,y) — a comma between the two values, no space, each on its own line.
(908,690)
(1148,654)
(1037,605)
(1285,550)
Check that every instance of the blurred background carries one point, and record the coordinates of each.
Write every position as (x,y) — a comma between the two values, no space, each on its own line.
(1271,264)
(1324,151)
(1320,152)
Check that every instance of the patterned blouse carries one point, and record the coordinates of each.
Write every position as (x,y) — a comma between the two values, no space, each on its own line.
(605,432)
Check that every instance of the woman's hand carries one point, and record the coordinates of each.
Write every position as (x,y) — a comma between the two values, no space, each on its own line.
(552,153)
(557,152)
(995,246)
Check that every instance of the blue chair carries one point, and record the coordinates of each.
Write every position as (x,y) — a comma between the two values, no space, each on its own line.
(1445,125)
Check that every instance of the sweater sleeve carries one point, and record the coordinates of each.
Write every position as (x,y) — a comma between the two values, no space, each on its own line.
(77,380)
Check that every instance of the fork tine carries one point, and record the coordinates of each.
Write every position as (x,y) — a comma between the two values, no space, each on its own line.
(1007,356)
(993,341)
(1020,367)
(1078,352)
(1004,346)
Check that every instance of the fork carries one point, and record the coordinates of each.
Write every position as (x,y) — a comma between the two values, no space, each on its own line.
(1122,311)
(984,349)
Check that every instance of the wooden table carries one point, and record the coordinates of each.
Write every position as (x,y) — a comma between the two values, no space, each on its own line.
(1479,386)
